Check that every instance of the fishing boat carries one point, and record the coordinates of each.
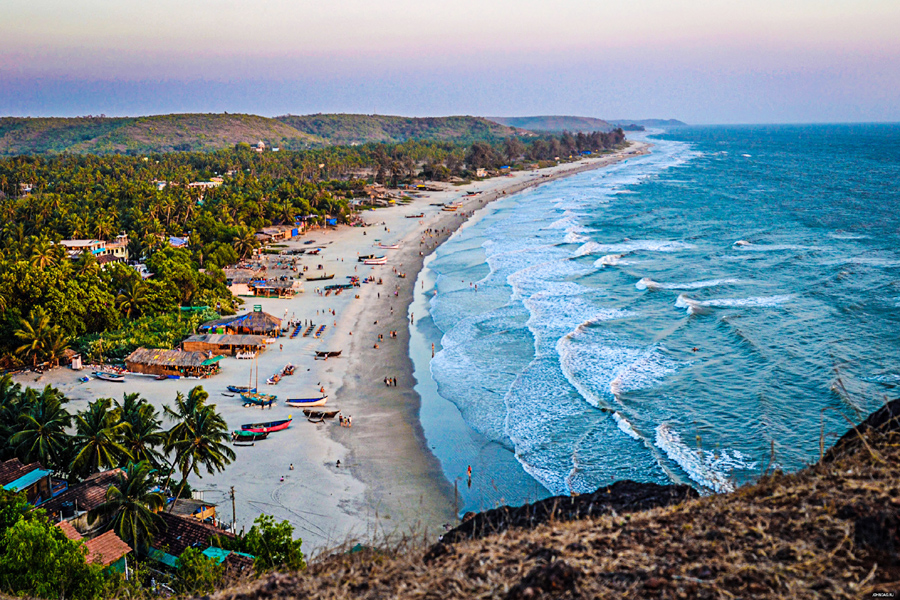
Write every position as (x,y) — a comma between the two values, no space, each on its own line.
(389,246)
(288,369)
(105,376)
(269,426)
(239,389)
(274,379)
(450,208)
(306,402)
(321,277)
(365,257)
(248,436)
(323,414)
(418,216)
(259,399)
(327,353)
(161,377)
(376,261)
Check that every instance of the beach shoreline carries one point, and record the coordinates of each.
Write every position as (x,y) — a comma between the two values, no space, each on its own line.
(337,484)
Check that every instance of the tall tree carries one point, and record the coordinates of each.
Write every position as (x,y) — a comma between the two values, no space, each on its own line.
(41,431)
(35,332)
(131,506)
(98,439)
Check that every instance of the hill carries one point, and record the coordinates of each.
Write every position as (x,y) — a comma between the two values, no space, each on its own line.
(345,129)
(829,531)
(556,124)
(159,133)
(648,122)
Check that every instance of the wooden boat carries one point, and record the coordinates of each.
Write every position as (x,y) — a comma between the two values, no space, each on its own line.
(248,436)
(306,402)
(288,369)
(274,379)
(324,414)
(109,376)
(258,399)
(269,426)
(161,377)
(327,353)
(321,277)
(389,246)
(418,216)
(228,395)
(365,257)
(240,389)
(376,261)
(450,208)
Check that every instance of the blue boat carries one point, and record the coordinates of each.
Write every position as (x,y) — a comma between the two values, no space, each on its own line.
(241,389)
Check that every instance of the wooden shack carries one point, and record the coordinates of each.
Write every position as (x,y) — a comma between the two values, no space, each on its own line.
(253,323)
(224,344)
(274,288)
(176,363)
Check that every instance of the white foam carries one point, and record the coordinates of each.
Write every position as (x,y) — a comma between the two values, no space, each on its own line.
(625,426)
(635,246)
(711,470)
(773,247)
(648,284)
(609,260)
(575,238)
(701,306)
(743,243)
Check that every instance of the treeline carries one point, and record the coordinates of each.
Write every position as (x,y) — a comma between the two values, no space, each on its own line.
(36,558)
(48,301)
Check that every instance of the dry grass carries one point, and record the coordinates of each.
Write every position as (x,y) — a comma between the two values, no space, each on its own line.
(830,531)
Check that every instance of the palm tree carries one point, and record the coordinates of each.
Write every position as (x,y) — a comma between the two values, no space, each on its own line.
(44,253)
(244,243)
(35,332)
(198,437)
(98,441)
(10,407)
(131,505)
(41,431)
(144,434)
(57,344)
(131,298)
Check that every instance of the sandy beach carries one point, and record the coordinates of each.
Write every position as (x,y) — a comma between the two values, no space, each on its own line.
(388,482)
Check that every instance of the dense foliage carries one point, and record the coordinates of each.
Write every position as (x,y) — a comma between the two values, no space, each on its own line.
(272,544)
(50,301)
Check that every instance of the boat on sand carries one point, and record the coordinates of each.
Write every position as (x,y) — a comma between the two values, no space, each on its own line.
(306,402)
(269,426)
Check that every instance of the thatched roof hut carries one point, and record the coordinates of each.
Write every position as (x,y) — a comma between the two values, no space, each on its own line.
(254,323)
(224,343)
(154,361)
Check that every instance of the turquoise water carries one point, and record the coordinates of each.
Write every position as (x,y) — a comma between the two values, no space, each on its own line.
(696,315)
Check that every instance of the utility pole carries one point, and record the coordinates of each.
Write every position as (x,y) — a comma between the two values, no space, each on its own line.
(233,517)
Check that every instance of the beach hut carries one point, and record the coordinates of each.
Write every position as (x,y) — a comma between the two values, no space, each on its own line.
(274,288)
(224,344)
(253,323)
(176,363)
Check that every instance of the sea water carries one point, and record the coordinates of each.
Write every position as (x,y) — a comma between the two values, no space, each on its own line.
(723,306)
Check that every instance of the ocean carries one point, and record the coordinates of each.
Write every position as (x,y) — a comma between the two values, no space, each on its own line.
(721,307)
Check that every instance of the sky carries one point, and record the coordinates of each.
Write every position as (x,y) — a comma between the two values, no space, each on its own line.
(701,61)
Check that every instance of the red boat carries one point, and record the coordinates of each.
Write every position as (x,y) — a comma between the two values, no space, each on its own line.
(268,427)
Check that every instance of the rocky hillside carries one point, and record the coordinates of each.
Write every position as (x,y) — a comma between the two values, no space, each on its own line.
(829,531)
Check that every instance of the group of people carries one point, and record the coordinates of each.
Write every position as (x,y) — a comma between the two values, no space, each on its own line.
(390,381)
(345,421)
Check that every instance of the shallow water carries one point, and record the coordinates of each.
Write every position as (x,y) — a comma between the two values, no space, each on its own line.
(696,315)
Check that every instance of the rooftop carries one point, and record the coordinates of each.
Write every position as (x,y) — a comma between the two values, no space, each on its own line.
(181,533)
(86,495)
(13,469)
(170,358)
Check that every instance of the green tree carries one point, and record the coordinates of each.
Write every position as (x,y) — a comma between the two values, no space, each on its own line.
(244,243)
(199,438)
(36,332)
(197,573)
(39,561)
(132,298)
(98,439)
(144,434)
(272,544)
(131,505)
(41,430)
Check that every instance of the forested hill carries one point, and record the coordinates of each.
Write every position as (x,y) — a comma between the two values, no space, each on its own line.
(556,124)
(344,129)
(209,132)
(159,133)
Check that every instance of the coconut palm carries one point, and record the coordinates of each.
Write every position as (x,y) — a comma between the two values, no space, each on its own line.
(44,253)
(10,407)
(57,344)
(98,439)
(244,243)
(199,436)
(144,434)
(35,332)
(131,506)
(132,298)
(41,430)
